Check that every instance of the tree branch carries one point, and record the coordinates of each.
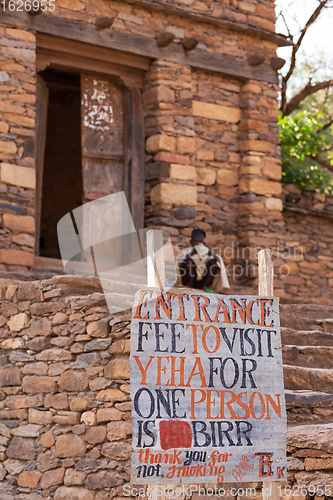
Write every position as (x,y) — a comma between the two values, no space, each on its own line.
(296,46)
(323,162)
(327,125)
(309,89)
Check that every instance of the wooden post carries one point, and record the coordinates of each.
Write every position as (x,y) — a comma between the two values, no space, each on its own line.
(155,278)
(266,289)
(155,258)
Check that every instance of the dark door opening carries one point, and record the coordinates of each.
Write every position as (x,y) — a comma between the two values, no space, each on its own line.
(62,167)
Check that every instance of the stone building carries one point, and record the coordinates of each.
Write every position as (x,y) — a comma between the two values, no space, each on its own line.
(173,102)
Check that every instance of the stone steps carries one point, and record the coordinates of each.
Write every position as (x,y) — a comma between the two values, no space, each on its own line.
(309,406)
(293,322)
(310,311)
(312,379)
(308,356)
(290,336)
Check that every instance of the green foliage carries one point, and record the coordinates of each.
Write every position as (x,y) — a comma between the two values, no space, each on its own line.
(302,138)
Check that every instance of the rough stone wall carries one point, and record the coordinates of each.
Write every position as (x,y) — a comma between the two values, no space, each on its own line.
(64,392)
(144,19)
(213,162)
(200,127)
(303,256)
(17,135)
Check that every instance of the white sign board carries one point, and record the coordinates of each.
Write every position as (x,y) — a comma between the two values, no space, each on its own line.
(207,389)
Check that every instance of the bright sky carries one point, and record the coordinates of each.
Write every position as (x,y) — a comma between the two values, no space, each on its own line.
(317,44)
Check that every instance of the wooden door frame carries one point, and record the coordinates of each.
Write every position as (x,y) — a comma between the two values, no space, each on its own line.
(76,57)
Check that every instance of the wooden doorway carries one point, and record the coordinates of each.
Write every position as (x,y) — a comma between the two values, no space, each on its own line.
(90,140)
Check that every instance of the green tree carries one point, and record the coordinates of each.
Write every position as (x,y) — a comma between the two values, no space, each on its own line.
(306,130)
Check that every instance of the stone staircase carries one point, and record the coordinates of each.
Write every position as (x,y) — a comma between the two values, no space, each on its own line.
(307,350)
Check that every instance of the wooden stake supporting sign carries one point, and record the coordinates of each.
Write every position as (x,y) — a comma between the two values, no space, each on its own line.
(266,289)
(206,386)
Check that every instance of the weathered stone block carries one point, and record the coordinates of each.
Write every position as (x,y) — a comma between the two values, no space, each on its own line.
(13,467)
(216,111)
(160,93)
(227,177)
(57,401)
(182,172)
(274,204)
(68,446)
(54,354)
(10,376)
(250,170)
(119,430)
(18,322)
(97,345)
(99,383)
(29,430)
(74,477)
(18,402)
(117,451)
(12,344)
(111,395)
(47,461)
(46,440)
(8,309)
(28,479)
(80,404)
(185,144)
(73,493)
(21,448)
(98,328)
(272,171)
(25,224)
(39,344)
(103,479)
(18,176)
(255,145)
(160,142)
(108,415)
(259,186)
(88,418)
(67,418)
(35,384)
(95,435)
(206,176)
(120,347)
(318,463)
(172,158)
(60,318)
(176,194)
(25,291)
(52,478)
(73,381)
(252,88)
(7,148)
(40,327)
(16,257)
(118,368)
(205,155)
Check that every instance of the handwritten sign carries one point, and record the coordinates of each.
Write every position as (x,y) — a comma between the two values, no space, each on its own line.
(207,389)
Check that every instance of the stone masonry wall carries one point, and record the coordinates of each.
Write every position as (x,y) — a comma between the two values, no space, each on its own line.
(65,410)
(204,132)
(17,136)
(64,392)
(304,252)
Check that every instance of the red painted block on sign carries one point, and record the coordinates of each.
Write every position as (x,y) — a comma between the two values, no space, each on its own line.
(175,434)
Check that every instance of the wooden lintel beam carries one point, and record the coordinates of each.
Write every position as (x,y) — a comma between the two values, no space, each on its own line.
(139,45)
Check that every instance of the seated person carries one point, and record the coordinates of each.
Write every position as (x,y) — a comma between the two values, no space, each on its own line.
(200,267)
